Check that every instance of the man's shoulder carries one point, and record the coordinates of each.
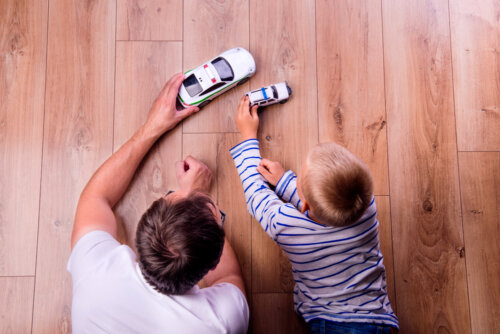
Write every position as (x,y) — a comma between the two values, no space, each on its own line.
(95,250)
(230,305)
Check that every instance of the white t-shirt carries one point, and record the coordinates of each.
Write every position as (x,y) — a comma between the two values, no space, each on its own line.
(111,296)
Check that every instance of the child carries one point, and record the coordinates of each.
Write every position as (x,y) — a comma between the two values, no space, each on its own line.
(325,221)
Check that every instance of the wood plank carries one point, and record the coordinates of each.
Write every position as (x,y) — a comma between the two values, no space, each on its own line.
(77,140)
(213,150)
(287,131)
(271,269)
(23,39)
(351,103)
(273,313)
(385,236)
(149,20)
(425,205)
(480,184)
(142,69)
(16,294)
(211,27)
(231,200)
(475,41)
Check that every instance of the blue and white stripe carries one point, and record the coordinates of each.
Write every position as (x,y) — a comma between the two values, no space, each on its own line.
(339,272)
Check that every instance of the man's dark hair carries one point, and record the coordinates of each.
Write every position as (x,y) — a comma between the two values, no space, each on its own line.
(178,243)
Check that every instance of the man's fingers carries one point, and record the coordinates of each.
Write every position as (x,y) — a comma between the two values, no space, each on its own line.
(165,88)
(179,168)
(181,114)
(191,162)
(176,83)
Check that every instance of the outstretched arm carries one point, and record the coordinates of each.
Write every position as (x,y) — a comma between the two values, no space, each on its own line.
(108,184)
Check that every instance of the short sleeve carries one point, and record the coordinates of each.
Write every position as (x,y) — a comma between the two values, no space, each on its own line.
(88,252)
(230,305)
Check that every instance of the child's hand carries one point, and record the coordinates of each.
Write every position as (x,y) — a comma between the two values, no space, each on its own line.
(247,121)
(272,171)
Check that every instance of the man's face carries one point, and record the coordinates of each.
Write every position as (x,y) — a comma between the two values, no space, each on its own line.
(177,195)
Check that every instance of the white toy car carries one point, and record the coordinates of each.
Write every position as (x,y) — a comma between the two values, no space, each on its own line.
(271,94)
(204,83)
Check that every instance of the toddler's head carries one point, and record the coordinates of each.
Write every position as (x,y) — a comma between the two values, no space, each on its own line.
(336,185)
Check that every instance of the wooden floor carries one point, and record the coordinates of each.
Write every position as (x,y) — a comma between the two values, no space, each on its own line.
(412,87)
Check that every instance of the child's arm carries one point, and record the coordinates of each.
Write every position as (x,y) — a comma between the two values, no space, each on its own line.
(285,183)
(262,202)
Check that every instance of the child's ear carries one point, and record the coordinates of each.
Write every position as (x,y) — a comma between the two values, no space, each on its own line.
(305,206)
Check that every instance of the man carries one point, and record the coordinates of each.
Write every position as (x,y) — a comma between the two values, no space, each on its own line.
(179,241)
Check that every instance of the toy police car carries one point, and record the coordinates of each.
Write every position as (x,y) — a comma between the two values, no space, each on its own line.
(271,94)
(204,83)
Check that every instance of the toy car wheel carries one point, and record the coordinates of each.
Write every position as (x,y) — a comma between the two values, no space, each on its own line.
(204,103)
(282,102)
(243,81)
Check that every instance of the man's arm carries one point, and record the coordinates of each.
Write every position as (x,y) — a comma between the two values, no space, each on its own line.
(108,184)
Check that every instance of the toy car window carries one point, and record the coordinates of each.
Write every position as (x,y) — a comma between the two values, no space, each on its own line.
(224,69)
(192,85)
(275,92)
(214,87)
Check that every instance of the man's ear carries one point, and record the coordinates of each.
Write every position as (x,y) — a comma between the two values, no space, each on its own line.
(305,206)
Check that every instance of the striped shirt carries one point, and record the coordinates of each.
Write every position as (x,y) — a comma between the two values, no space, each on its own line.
(339,272)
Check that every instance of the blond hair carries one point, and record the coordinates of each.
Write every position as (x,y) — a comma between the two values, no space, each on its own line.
(337,185)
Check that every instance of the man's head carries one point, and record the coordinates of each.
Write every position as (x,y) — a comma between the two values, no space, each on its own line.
(336,185)
(178,240)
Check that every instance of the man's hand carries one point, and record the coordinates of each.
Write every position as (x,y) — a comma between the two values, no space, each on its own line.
(247,121)
(272,171)
(163,114)
(192,175)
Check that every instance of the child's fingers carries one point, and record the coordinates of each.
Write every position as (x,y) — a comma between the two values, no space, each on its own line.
(254,112)
(264,172)
(265,162)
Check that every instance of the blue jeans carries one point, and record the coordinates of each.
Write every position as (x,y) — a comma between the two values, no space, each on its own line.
(321,326)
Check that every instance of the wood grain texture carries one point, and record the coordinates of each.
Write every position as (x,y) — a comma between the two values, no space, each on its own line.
(271,269)
(385,236)
(23,39)
(77,140)
(273,313)
(142,69)
(425,205)
(351,103)
(149,20)
(213,150)
(475,41)
(287,131)
(231,200)
(212,27)
(16,294)
(480,184)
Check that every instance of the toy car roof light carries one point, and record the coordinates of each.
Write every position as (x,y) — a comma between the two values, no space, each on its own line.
(271,94)
(209,73)
(209,80)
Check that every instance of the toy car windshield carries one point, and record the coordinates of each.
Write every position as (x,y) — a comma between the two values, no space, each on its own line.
(192,85)
(224,69)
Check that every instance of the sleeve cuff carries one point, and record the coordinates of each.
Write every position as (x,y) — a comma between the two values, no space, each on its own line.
(241,146)
(283,182)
